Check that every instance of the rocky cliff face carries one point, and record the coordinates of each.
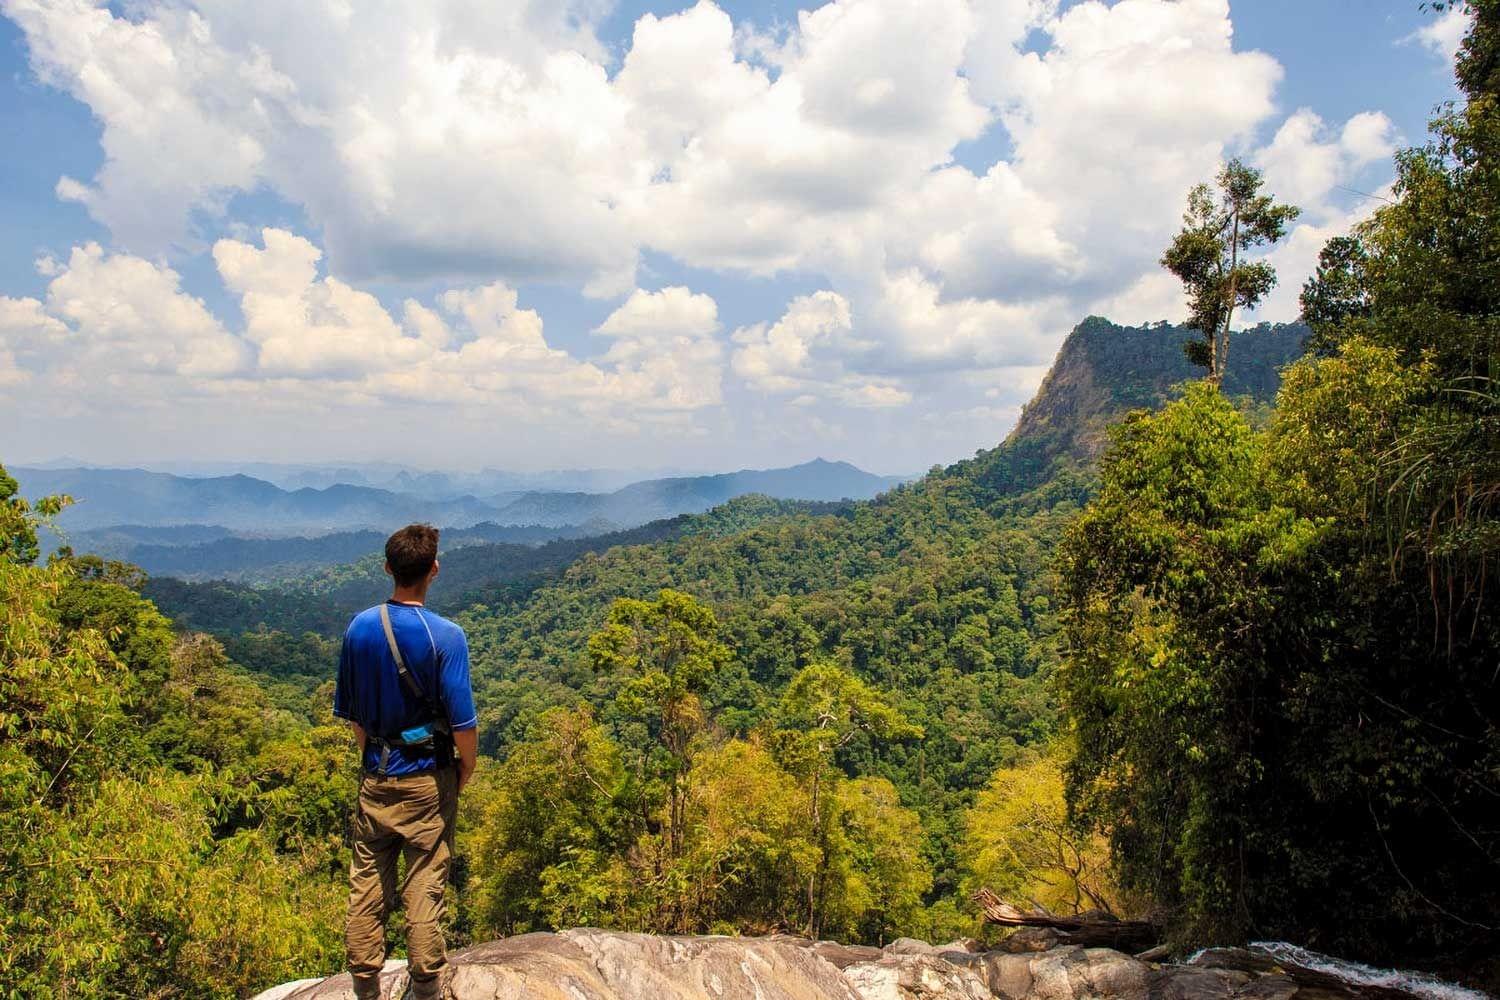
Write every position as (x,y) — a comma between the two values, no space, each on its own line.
(1102,372)
(589,964)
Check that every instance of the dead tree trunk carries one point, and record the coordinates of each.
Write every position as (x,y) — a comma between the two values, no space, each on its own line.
(1092,930)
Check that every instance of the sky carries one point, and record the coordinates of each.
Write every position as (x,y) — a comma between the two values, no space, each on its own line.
(536,234)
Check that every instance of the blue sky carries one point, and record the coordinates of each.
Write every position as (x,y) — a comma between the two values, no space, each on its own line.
(640,234)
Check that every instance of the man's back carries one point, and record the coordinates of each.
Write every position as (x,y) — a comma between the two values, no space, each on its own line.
(370,691)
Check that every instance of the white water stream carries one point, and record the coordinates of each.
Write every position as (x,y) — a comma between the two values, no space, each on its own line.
(1358,974)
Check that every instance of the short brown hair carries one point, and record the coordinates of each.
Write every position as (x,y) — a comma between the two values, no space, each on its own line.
(411,552)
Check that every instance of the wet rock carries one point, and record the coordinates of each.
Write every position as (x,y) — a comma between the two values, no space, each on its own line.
(1181,983)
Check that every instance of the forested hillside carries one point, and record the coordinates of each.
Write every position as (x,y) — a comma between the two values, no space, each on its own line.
(1281,677)
(320,600)
(937,594)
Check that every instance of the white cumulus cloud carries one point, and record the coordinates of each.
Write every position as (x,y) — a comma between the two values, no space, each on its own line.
(1443,36)
(1306,161)
(803,353)
(114,314)
(115,319)
(485,148)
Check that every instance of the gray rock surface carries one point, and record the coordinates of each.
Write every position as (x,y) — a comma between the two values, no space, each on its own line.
(586,964)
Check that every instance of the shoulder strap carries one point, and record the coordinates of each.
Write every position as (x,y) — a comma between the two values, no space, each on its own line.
(407,679)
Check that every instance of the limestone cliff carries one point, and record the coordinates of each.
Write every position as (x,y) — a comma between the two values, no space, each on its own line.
(1103,371)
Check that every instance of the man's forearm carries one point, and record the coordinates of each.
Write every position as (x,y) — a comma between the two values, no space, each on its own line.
(359,737)
(466,742)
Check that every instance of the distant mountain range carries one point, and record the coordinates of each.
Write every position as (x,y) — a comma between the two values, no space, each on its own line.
(433,485)
(1101,371)
(241,504)
(661,498)
(199,552)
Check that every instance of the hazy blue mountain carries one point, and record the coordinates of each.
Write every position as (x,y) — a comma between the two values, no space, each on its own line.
(658,498)
(195,552)
(489,482)
(109,497)
(241,505)
(427,483)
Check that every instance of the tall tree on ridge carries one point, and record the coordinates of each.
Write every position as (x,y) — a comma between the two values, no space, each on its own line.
(666,649)
(823,708)
(1218,230)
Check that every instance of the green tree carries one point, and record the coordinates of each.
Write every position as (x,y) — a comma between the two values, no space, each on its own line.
(1171,595)
(1431,282)
(129,865)
(749,843)
(822,710)
(1221,226)
(551,830)
(1265,726)
(20,519)
(1338,291)
(1020,842)
(666,649)
(877,853)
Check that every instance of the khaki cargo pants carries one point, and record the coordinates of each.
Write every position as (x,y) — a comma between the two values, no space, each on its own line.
(410,816)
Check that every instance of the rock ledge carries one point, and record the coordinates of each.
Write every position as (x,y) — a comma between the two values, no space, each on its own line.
(587,964)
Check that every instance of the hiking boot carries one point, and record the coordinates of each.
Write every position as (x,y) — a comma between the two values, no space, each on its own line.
(429,989)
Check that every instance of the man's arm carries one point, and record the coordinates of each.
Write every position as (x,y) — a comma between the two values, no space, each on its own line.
(466,742)
(343,703)
(458,700)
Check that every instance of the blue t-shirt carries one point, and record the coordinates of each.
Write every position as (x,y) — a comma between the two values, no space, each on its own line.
(369,690)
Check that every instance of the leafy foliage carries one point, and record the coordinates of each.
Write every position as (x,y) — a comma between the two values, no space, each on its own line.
(758,834)
(20,519)
(1021,844)
(161,831)
(1281,676)
(1218,229)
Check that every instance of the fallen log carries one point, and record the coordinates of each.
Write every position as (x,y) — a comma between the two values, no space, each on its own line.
(1091,930)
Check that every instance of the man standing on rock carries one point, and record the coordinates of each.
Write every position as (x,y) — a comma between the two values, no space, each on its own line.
(404,686)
